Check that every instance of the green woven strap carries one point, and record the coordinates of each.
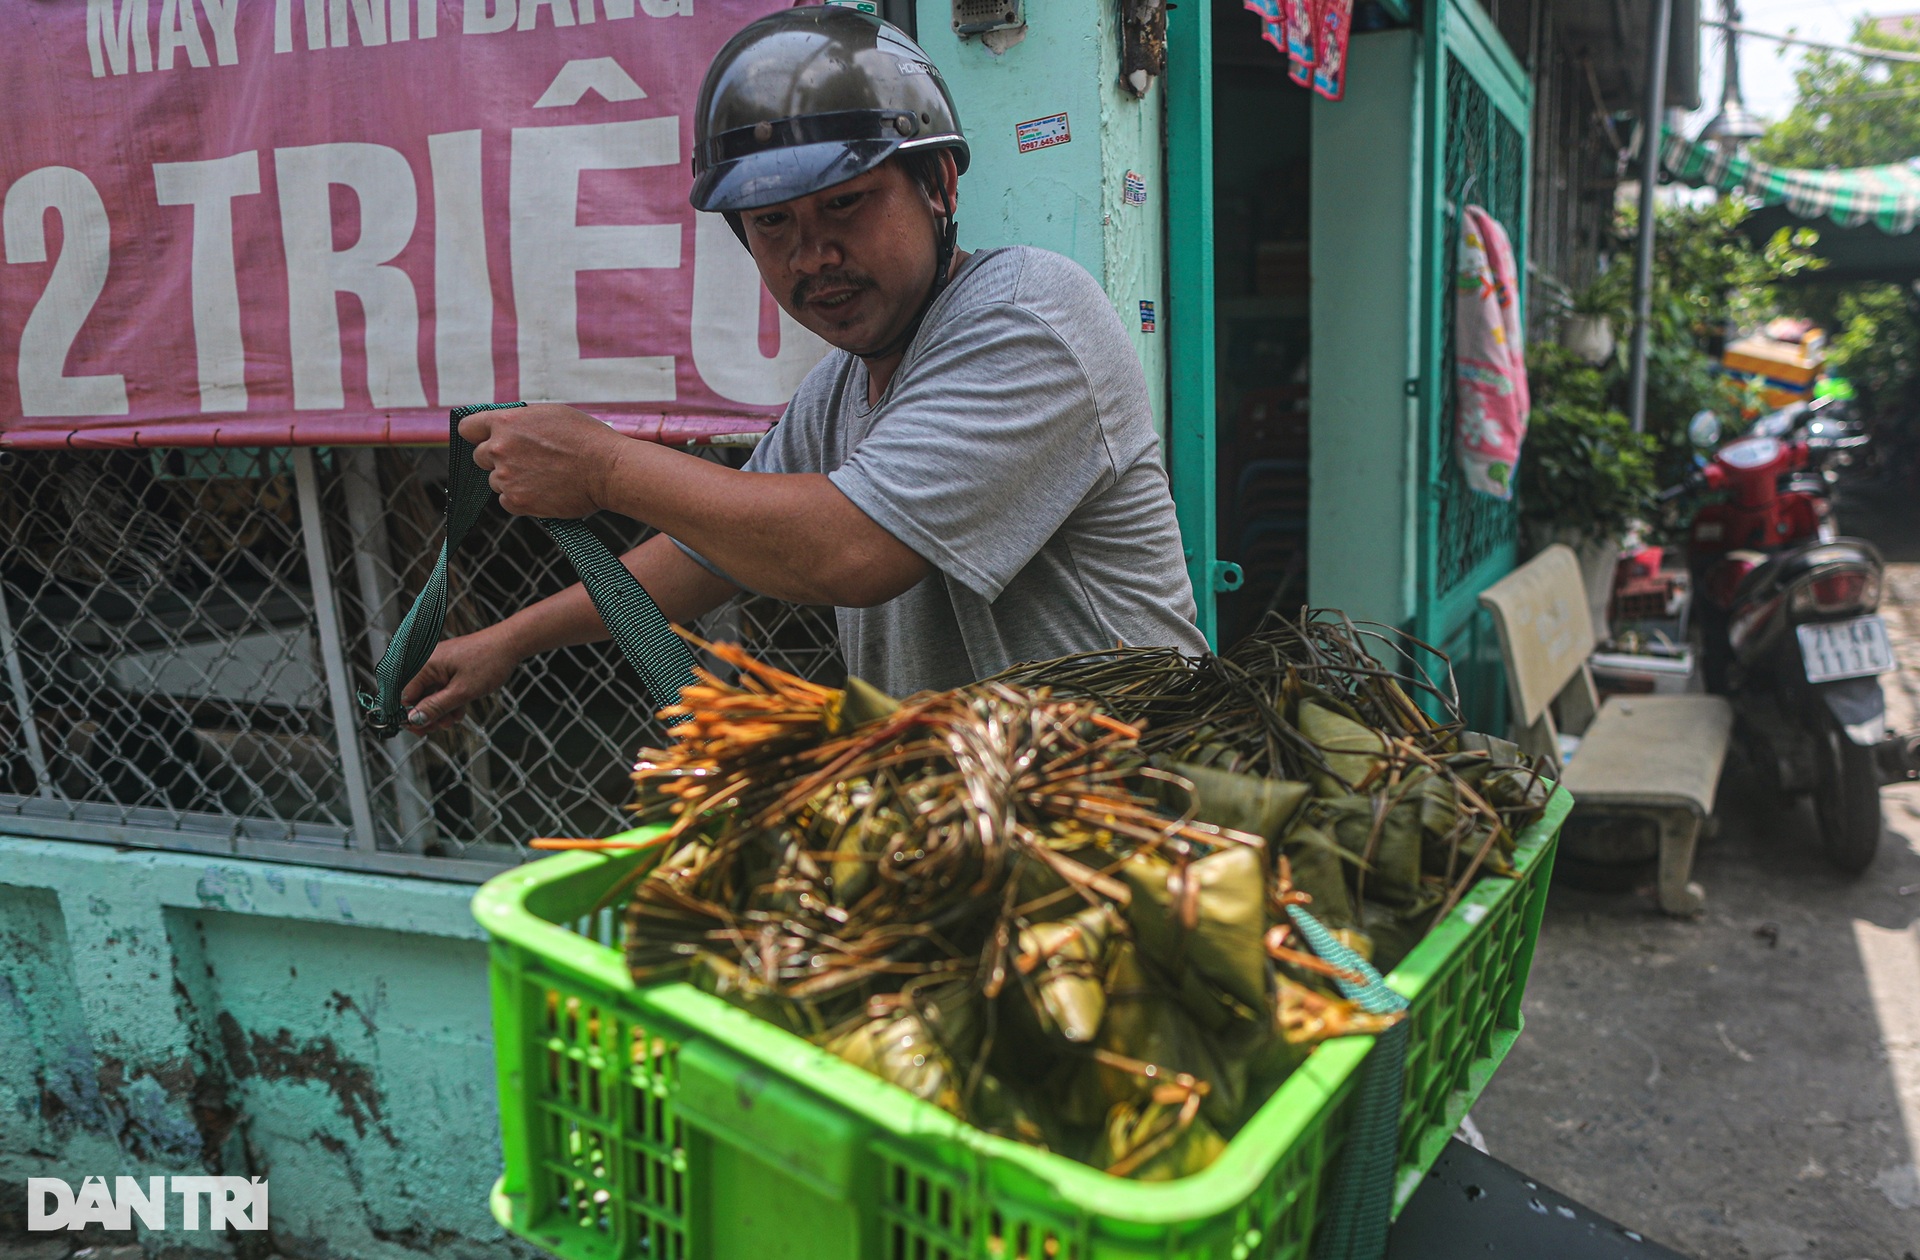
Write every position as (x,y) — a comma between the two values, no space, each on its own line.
(641,631)
(1360,1201)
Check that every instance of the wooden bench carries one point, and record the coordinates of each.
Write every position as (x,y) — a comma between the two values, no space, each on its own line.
(1657,756)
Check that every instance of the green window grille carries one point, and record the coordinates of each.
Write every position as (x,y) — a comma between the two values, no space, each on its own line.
(1477,103)
(1486,165)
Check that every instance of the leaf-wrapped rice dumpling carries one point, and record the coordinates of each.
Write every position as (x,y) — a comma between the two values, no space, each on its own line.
(1389,847)
(1062,968)
(999,1109)
(897,1046)
(922,1039)
(1148,1026)
(862,703)
(1209,914)
(1042,890)
(1353,752)
(1058,909)
(1240,802)
(667,915)
(1394,931)
(1500,752)
(853,823)
(1516,788)
(1320,869)
(1160,1139)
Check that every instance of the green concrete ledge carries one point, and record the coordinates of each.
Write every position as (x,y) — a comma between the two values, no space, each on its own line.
(167,1013)
(194,882)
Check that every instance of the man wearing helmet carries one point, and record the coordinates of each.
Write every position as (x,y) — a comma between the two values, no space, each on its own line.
(971,479)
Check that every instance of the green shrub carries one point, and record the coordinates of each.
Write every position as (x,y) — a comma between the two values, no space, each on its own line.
(1582,467)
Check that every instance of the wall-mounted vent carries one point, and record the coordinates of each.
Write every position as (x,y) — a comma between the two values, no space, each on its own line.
(976,17)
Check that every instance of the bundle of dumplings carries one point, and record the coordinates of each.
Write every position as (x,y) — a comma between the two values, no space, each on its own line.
(1059,903)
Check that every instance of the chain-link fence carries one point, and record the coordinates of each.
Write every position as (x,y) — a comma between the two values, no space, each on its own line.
(185,633)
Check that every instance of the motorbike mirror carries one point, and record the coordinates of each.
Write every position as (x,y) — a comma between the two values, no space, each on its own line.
(1704,429)
(1778,423)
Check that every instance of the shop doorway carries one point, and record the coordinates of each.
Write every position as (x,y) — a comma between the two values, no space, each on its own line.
(1262,200)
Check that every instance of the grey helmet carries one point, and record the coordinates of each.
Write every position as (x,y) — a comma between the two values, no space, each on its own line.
(806,98)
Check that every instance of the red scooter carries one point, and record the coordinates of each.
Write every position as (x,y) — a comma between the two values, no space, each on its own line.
(1787,611)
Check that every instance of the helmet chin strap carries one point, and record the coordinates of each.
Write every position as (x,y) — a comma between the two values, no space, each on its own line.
(946,235)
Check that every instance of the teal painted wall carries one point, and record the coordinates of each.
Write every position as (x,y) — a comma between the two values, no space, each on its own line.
(1366,259)
(170,1014)
(1066,198)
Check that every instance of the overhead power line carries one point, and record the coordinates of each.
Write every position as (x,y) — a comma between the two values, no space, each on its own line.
(1878,94)
(1857,50)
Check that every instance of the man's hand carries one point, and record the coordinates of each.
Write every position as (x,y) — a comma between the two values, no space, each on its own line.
(459,672)
(794,536)
(544,459)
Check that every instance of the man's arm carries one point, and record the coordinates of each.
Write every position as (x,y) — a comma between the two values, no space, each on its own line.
(790,535)
(466,668)
(794,536)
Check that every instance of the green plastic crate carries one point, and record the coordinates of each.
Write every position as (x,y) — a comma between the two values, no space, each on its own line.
(662,1122)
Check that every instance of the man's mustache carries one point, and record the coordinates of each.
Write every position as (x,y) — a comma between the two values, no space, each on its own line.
(807,288)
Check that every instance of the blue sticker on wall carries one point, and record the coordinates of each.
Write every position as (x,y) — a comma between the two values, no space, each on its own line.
(1147,322)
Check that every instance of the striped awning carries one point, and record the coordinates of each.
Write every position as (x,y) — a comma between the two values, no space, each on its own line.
(1886,196)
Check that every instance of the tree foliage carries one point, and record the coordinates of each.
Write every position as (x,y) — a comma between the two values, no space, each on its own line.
(1707,276)
(1854,112)
(1708,281)
(1850,112)
(1874,339)
(1582,468)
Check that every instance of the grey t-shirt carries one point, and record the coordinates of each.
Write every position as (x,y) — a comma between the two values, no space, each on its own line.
(1015,452)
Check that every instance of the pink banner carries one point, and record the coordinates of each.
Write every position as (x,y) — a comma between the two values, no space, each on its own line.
(270,222)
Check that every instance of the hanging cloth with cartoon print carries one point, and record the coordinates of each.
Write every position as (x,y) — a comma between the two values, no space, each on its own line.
(1490,368)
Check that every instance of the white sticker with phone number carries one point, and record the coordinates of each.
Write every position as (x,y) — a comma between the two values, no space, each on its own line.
(1042,133)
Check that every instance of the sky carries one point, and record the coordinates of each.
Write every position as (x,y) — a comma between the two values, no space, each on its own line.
(1766,68)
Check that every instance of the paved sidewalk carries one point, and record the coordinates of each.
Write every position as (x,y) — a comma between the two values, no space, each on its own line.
(1748,1084)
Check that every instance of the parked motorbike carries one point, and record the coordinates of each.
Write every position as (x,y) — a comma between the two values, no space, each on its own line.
(1833,430)
(1787,611)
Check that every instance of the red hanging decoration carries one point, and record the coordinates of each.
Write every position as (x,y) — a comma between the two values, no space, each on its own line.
(1303,44)
(1333,27)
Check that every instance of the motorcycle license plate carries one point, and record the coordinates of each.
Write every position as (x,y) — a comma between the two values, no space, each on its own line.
(1845,649)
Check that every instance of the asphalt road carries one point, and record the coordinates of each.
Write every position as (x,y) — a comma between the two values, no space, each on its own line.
(1746,1084)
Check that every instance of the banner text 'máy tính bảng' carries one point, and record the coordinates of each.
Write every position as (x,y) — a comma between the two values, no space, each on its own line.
(260,222)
